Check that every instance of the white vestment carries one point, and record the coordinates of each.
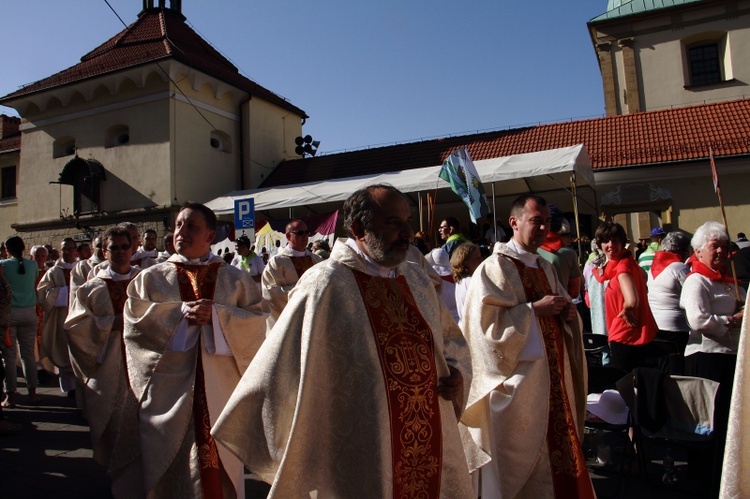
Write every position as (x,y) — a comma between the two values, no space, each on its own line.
(162,352)
(94,331)
(311,415)
(509,401)
(279,277)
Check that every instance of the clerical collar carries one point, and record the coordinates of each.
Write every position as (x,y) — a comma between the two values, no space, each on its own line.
(372,267)
(294,252)
(195,261)
(119,277)
(527,257)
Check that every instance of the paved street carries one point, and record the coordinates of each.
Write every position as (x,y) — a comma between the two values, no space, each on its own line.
(51,458)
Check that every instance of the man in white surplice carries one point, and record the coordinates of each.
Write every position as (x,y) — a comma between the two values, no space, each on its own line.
(192,325)
(356,390)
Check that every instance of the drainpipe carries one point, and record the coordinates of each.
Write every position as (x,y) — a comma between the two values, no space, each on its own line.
(242,141)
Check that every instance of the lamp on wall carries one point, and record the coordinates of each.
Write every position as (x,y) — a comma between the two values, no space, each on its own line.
(306,145)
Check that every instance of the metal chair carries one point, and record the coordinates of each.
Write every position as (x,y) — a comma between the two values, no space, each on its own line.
(594,346)
(603,378)
(670,412)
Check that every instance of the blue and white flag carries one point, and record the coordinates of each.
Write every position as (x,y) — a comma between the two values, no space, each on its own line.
(458,170)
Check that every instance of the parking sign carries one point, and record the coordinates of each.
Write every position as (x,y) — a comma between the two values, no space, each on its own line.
(244,213)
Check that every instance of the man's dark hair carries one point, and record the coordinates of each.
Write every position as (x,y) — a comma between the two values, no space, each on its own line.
(608,231)
(207,212)
(81,246)
(169,236)
(15,247)
(113,232)
(453,222)
(361,206)
(152,231)
(519,205)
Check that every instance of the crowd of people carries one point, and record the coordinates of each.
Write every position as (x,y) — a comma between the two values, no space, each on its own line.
(376,368)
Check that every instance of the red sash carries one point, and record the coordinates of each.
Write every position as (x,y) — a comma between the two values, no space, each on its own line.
(570,477)
(66,274)
(407,360)
(447,278)
(196,282)
(118,294)
(301,264)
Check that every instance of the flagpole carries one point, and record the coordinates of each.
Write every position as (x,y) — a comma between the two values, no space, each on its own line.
(717,188)
(574,190)
(494,210)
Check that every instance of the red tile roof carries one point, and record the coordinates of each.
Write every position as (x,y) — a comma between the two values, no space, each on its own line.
(648,138)
(11,143)
(156,35)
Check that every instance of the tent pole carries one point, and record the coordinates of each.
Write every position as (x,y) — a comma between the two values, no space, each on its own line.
(494,210)
(574,191)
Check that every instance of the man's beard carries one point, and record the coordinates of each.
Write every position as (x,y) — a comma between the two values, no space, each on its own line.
(387,256)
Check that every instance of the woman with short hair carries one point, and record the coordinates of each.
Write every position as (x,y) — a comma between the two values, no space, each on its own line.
(630,324)
(714,310)
(665,278)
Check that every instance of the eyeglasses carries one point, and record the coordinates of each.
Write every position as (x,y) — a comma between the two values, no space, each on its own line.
(121,247)
(299,232)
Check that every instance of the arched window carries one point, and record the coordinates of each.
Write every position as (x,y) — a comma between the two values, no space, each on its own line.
(64,146)
(220,141)
(117,135)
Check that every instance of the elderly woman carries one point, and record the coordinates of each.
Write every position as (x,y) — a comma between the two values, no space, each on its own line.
(665,278)
(714,311)
(630,324)
(465,260)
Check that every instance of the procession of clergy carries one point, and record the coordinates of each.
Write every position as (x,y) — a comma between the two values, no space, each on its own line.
(338,378)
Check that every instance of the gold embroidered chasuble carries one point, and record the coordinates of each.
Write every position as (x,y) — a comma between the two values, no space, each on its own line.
(312,411)
(570,477)
(54,340)
(407,358)
(509,402)
(162,376)
(94,331)
(279,277)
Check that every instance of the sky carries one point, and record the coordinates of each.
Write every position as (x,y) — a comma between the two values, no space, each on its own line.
(367,73)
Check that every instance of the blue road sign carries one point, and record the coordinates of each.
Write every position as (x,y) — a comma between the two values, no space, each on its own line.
(244,214)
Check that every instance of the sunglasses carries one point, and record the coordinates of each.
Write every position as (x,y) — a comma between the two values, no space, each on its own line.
(121,247)
(299,232)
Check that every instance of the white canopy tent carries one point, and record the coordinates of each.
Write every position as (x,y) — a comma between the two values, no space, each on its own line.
(536,172)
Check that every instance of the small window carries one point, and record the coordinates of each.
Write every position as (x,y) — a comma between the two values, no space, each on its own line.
(64,146)
(705,64)
(220,141)
(8,182)
(117,135)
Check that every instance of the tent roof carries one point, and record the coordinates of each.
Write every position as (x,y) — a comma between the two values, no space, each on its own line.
(520,173)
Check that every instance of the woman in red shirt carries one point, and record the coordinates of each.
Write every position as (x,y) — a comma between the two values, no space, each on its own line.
(630,324)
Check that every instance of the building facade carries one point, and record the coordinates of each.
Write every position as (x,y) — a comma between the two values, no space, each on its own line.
(148,120)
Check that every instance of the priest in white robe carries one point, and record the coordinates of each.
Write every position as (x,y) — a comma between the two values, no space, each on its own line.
(94,331)
(527,402)
(192,325)
(356,390)
(82,268)
(53,292)
(286,267)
